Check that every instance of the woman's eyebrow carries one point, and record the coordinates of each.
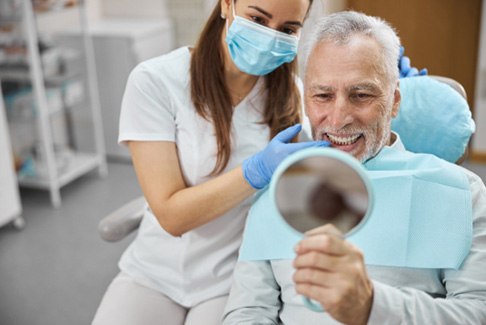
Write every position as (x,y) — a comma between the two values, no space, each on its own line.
(270,16)
(297,23)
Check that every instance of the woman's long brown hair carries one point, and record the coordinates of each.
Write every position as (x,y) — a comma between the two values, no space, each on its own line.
(212,99)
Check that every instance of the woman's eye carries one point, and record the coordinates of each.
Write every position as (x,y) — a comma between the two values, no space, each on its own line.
(288,31)
(258,20)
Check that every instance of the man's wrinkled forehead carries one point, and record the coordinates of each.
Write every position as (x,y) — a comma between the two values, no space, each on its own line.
(352,68)
(368,86)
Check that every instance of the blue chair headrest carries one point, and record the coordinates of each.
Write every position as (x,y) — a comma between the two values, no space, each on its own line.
(433,118)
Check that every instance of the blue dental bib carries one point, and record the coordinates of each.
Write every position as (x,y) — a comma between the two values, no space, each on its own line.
(421,218)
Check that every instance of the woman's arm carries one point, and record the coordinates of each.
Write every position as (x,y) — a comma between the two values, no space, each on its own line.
(177,207)
(180,208)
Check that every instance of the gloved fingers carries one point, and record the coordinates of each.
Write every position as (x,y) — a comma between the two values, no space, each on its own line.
(289,133)
(424,72)
(404,65)
(309,144)
(412,72)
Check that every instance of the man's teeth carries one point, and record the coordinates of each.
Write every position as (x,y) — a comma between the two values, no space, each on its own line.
(343,141)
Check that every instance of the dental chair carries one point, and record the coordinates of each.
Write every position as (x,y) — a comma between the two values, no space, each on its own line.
(432,119)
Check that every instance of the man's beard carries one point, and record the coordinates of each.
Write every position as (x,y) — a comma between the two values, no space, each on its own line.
(373,138)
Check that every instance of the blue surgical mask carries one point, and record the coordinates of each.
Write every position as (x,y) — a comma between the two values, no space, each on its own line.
(256,49)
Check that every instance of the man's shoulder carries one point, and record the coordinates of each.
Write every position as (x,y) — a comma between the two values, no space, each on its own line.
(472,177)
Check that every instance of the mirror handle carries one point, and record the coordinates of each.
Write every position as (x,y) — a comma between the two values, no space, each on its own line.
(312,305)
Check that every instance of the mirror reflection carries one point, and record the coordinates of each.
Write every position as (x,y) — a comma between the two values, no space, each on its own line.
(319,190)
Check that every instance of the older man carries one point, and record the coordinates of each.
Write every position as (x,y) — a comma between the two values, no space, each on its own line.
(351,94)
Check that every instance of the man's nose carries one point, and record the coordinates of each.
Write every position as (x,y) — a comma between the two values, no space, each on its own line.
(340,114)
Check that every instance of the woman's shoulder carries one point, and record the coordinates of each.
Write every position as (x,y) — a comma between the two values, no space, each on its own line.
(172,65)
(176,61)
(180,56)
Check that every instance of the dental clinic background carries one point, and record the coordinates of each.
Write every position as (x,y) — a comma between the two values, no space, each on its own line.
(447,37)
(54,266)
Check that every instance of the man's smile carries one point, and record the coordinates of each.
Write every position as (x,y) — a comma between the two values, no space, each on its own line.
(343,139)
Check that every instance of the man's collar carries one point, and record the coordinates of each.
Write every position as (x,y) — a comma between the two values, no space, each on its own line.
(396,142)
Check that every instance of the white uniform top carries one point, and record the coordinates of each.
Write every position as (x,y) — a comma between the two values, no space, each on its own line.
(157,106)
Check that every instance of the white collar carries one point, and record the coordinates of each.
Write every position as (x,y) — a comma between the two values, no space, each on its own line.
(397,142)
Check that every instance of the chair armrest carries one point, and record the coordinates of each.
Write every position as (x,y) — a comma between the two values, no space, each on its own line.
(121,222)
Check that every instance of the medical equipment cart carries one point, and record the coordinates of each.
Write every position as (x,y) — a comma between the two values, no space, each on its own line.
(120,44)
(58,169)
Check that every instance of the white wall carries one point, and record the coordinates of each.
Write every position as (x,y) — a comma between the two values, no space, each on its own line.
(134,9)
(188,15)
(479,140)
(55,21)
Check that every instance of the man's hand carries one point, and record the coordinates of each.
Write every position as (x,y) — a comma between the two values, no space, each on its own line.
(331,271)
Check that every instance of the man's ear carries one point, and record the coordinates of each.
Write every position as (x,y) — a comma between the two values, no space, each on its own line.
(225,8)
(397,97)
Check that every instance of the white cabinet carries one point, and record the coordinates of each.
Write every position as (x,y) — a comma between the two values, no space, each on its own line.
(50,100)
(10,208)
(120,44)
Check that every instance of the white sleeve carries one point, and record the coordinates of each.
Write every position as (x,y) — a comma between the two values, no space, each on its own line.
(254,296)
(465,302)
(306,133)
(146,112)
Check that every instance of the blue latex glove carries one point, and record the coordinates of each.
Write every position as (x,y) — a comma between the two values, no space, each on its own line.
(405,68)
(258,169)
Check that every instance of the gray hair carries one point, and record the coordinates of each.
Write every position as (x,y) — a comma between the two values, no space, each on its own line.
(340,28)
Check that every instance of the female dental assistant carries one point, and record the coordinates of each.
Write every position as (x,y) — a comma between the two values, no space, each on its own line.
(197,122)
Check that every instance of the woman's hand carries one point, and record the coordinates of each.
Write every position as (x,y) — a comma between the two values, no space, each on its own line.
(259,168)
(405,67)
